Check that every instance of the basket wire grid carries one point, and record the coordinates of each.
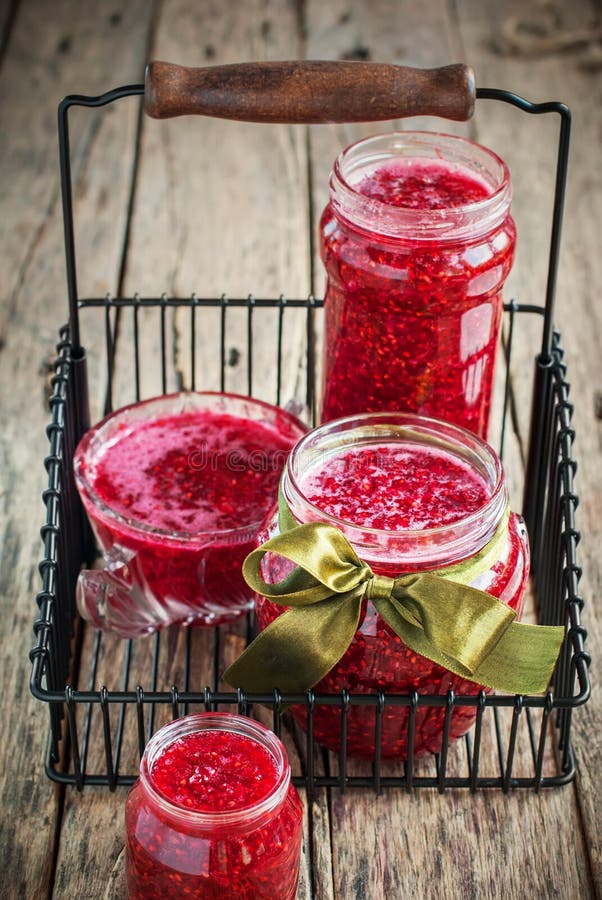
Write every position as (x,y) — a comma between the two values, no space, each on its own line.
(516,741)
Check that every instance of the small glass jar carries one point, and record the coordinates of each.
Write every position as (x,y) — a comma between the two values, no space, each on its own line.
(417,241)
(175,489)
(398,463)
(176,851)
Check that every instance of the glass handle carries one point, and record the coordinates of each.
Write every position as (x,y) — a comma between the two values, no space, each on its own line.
(111,604)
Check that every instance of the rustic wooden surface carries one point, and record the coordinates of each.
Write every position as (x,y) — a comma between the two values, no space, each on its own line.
(208,206)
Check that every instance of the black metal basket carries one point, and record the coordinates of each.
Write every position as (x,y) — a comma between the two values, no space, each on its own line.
(101,721)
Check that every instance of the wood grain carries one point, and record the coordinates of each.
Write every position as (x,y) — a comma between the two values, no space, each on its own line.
(43,61)
(444,837)
(578,314)
(221,207)
(308,91)
(201,222)
(192,227)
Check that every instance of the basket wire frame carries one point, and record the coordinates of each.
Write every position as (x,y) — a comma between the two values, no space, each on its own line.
(81,717)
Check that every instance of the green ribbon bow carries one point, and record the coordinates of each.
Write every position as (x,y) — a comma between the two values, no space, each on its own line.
(436,614)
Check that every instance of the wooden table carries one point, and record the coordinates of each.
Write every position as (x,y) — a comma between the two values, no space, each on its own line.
(214,206)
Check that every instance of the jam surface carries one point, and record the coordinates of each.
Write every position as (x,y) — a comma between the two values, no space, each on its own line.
(186,492)
(412,324)
(422,184)
(195,471)
(212,771)
(395,486)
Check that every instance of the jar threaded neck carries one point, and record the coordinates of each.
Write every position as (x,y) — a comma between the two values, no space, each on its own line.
(458,222)
(410,549)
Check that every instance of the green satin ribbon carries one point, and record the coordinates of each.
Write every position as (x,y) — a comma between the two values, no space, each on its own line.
(436,614)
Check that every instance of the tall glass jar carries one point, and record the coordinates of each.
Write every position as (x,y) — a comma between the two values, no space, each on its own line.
(411,494)
(417,241)
(213,814)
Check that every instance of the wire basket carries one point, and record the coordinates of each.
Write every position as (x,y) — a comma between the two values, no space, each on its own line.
(106,696)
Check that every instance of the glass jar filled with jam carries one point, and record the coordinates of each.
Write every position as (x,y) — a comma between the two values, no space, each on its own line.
(410,494)
(417,241)
(213,814)
(175,489)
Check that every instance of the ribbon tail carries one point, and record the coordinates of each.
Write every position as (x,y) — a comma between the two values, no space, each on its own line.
(299,648)
(523,660)
(513,658)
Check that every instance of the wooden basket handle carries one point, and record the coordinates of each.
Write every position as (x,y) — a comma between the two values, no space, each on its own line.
(309,91)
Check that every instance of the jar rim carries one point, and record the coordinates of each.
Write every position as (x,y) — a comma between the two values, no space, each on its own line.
(452,223)
(244,816)
(179,401)
(450,542)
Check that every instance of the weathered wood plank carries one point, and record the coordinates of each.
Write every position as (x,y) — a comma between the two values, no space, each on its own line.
(8,9)
(47,52)
(468,847)
(221,206)
(566,77)
(492,847)
(44,59)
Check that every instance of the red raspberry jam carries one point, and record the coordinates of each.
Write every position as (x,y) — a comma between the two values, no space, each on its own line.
(175,489)
(417,184)
(194,472)
(410,494)
(417,242)
(395,486)
(213,814)
(212,770)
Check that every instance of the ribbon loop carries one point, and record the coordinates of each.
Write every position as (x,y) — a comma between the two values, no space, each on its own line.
(325,561)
